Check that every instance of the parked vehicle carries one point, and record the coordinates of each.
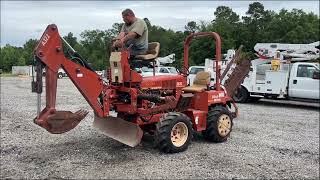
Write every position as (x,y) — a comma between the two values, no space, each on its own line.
(100,73)
(164,70)
(210,66)
(284,71)
(61,73)
(193,70)
(291,81)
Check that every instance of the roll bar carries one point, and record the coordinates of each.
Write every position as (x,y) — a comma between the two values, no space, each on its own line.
(218,52)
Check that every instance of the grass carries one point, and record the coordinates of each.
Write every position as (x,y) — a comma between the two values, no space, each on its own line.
(7,74)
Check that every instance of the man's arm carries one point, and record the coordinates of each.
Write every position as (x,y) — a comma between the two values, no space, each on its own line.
(130,35)
(121,35)
(118,41)
(122,38)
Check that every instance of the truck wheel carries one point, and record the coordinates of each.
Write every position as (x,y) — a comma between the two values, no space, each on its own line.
(241,95)
(219,124)
(60,75)
(174,133)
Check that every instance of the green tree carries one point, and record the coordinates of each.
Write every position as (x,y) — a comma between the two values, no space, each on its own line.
(96,45)
(225,14)
(116,28)
(21,61)
(8,57)
(256,22)
(294,26)
(72,41)
(226,24)
(191,27)
(28,49)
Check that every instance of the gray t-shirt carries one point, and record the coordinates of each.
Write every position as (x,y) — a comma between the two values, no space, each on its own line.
(139,27)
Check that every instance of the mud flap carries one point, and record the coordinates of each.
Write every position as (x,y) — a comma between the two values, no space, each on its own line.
(119,129)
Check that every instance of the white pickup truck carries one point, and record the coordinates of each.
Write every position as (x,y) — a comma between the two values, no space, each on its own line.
(283,71)
(193,70)
(209,66)
(296,81)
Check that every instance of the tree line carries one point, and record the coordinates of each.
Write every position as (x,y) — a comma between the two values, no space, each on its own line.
(258,25)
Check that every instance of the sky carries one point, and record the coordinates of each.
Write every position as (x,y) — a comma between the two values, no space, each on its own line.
(23,20)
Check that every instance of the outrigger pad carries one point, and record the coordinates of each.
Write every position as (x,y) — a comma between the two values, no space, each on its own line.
(123,131)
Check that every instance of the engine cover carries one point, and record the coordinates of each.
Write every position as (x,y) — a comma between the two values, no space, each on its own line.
(163,82)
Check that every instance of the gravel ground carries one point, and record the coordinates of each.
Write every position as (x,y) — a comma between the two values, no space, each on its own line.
(268,141)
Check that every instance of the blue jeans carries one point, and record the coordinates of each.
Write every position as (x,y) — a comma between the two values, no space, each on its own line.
(137,49)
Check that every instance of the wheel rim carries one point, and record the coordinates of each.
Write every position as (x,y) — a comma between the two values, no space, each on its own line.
(224,125)
(179,134)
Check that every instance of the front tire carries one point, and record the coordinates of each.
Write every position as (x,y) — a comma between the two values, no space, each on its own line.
(219,124)
(174,133)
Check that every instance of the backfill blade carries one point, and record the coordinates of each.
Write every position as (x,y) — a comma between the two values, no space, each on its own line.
(119,129)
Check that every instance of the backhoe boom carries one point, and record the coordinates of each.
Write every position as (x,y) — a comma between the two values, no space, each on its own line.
(91,86)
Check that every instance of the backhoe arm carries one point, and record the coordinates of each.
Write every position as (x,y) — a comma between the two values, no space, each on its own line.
(50,53)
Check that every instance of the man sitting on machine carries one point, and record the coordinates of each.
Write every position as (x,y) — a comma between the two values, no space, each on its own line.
(133,35)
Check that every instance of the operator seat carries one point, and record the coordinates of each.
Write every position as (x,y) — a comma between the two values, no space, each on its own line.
(152,52)
(200,83)
(142,60)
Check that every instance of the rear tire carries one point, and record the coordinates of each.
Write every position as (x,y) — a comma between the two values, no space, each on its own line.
(241,95)
(219,124)
(174,133)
